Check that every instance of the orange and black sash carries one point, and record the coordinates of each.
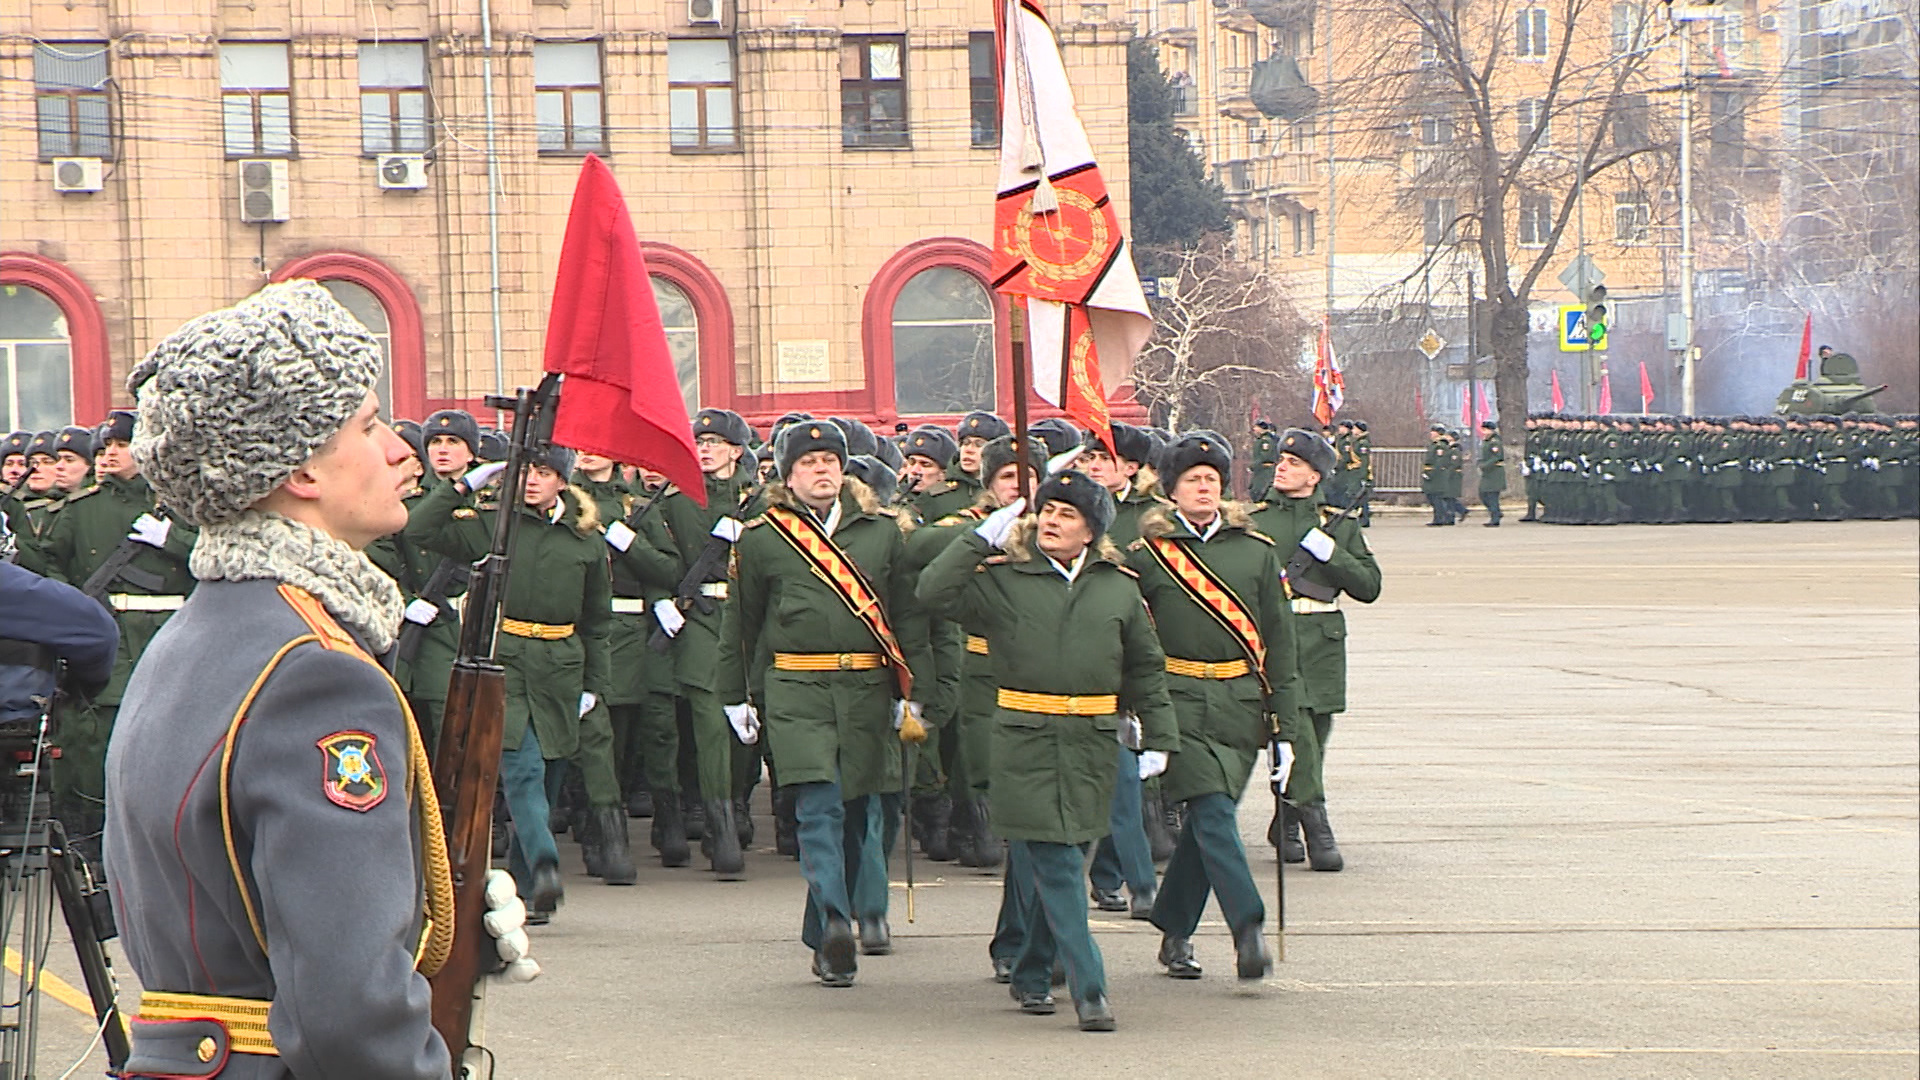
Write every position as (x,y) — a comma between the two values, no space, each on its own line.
(832,565)
(1216,599)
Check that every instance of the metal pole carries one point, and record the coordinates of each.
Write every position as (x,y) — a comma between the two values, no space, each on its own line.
(1473,364)
(493,200)
(1580,238)
(1326,49)
(1686,215)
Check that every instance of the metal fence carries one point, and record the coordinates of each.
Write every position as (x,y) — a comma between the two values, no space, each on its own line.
(1396,471)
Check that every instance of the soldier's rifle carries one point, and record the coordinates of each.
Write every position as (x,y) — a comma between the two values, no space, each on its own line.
(707,567)
(435,593)
(467,767)
(1302,560)
(118,565)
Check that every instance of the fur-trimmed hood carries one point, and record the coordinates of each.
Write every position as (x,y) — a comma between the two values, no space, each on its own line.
(1158,522)
(582,514)
(1019,546)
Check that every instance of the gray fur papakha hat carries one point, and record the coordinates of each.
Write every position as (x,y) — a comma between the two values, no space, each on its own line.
(237,399)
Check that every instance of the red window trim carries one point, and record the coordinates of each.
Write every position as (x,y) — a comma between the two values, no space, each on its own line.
(712,313)
(92,365)
(876,322)
(404,325)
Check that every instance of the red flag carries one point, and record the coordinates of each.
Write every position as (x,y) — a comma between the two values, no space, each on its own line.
(1606,394)
(1466,407)
(1481,405)
(1329,384)
(1806,348)
(621,397)
(1559,401)
(1646,389)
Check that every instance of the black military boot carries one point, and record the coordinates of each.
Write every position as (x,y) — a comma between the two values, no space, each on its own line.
(939,842)
(722,842)
(786,824)
(545,893)
(592,850)
(987,848)
(1094,1013)
(695,814)
(1176,955)
(1253,961)
(669,830)
(743,820)
(1322,852)
(960,833)
(616,858)
(639,801)
(1284,833)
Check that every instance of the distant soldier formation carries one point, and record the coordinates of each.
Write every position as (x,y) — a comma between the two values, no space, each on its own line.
(1608,470)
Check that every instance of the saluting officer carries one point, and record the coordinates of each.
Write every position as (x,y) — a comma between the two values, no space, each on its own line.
(280,876)
(1076,657)
(821,590)
(91,528)
(1325,556)
(1214,587)
(553,645)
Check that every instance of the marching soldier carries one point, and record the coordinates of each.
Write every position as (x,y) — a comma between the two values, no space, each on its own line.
(1433,480)
(1125,854)
(1074,651)
(929,456)
(94,526)
(644,691)
(1492,465)
(1326,556)
(1214,587)
(553,644)
(823,599)
(685,551)
(280,875)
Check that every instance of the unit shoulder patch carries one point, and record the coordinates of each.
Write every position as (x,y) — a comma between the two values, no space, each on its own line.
(351,775)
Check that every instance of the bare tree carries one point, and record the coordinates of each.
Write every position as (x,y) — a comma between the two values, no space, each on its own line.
(1223,339)
(1506,147)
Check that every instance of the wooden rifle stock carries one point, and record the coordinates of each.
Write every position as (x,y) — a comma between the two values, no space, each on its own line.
(465,772)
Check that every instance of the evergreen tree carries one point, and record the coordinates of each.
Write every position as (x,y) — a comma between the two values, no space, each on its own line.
(1175,204)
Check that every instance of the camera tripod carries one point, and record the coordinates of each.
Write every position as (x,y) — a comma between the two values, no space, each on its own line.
(36,866)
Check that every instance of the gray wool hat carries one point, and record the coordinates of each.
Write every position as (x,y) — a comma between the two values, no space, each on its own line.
(237,399)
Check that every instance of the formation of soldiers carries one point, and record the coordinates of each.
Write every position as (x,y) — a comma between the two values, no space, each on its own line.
(839,598)
(1605,470)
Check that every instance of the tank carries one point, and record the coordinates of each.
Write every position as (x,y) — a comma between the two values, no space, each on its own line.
(1835,390)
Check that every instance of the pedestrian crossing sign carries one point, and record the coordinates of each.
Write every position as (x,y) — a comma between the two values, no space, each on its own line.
(1576,335)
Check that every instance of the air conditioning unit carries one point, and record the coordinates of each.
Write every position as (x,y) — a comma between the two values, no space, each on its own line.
(703,12)
(1769,23)
(77,174)
(403,172)
(264,194)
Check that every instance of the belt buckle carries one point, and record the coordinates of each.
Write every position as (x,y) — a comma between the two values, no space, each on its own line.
(846,661)
(1073,705)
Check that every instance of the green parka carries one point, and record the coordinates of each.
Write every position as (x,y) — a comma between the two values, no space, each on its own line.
(1322,636)
(558,575)
(1052,777)
(1223,722)
(823,725)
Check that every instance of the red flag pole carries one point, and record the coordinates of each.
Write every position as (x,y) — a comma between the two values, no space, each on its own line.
(1801,372)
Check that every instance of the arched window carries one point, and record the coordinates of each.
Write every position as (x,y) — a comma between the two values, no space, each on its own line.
(366,307)
(36,361)
(376,295)
(682,324)
(943,335)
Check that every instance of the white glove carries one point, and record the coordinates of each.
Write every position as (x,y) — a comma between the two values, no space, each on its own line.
(619,537)
(150,530)
(667,614)
(1283,768)
(994,530)
(422,612)
(587,701)
(1152,763)
(1318,544)
(746,722)
(728,529)
(1062,461)
(482,475)
(505,921)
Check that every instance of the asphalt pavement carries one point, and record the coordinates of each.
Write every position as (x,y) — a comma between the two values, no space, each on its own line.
(1617,802)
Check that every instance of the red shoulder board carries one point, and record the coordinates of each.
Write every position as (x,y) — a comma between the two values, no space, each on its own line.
(350,771)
